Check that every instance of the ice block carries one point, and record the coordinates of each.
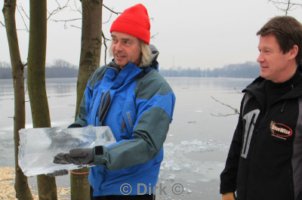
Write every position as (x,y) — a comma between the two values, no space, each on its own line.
(38,146)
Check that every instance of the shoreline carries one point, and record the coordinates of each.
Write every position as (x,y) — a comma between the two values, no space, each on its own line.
(7,179)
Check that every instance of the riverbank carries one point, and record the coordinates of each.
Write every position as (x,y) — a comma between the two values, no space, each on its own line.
(7,176)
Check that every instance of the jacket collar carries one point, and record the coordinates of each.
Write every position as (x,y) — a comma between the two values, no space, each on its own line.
(256,88)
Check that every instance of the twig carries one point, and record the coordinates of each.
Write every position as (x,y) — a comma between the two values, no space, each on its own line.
(77,9)
(66,20)
(22,17)
(154,35)
(105,45)
(222,115)
(108,20)
(288,4)
(58,9)
(74,26)
(112,11)
(227,105)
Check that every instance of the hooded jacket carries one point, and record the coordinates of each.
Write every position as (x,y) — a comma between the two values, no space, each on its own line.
(265,157)
(137,104)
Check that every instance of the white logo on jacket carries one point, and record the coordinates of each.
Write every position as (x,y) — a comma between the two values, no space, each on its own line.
(250,120)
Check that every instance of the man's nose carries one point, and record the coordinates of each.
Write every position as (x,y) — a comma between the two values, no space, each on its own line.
(118,45)
(260,58)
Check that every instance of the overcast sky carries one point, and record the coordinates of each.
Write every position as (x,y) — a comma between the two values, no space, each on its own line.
(191,33)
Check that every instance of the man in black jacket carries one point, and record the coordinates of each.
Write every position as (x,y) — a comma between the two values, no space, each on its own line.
(265,157)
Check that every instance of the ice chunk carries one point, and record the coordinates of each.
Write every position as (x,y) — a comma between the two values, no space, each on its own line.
(38,146)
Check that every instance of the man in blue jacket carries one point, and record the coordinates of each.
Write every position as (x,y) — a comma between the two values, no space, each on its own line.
(135,101)
(265,157)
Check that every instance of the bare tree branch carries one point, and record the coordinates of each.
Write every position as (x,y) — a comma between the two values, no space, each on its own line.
(22,14)
(73,7)
(236,112)
(285,5)
(287,2)
(154,35)
(77,8)
(74,26)
(105,39)
(222,115)
(108,20)
(58,9)
(106,47)
(66,20)
(112,11)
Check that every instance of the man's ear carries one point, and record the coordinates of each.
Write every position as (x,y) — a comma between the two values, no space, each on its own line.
(293,52)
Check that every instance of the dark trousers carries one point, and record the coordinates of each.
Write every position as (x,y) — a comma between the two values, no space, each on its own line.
(122,197)
(125,197)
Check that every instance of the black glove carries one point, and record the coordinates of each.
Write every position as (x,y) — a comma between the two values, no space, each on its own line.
(79,156)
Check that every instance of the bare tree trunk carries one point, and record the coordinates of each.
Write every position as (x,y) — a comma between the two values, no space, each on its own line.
(21,185)
(91,43)
(89,61)
(36,84)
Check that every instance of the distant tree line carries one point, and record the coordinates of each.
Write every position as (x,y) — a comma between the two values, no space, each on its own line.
(58,69)
(5,70)
(61,69)
(243,70)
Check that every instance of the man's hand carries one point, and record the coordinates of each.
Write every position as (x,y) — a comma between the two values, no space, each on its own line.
(75,156)
(228,196)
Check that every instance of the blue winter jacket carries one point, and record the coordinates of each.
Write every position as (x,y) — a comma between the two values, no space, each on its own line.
(137,104)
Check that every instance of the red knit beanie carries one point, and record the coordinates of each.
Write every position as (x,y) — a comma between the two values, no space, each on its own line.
(133,21)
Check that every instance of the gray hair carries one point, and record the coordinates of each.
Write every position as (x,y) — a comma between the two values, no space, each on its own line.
(146,55)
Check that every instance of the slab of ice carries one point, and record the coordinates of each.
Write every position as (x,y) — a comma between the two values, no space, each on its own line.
(38,146)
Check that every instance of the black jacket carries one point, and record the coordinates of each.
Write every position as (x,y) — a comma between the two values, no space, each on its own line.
(265,157)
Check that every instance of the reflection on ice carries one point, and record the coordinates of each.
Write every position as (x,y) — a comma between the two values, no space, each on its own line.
(38,146)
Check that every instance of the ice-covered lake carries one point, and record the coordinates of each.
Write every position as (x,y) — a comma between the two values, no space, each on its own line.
(198,139)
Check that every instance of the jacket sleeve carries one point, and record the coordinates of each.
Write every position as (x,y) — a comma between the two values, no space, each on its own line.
(228,177)
(154,114)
